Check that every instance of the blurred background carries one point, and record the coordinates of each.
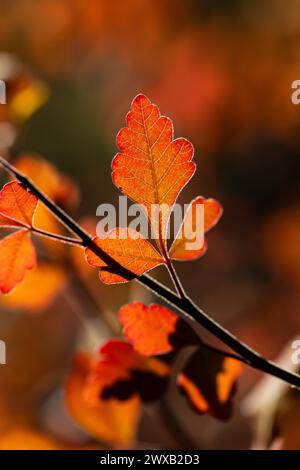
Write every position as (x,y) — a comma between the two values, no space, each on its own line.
(222,70)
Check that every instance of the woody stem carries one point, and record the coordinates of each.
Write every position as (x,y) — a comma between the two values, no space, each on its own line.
(183,304)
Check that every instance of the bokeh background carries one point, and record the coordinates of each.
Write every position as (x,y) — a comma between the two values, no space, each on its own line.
(222,70)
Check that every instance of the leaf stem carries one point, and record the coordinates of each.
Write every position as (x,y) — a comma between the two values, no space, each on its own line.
(55,236)
(175,279)
(173,274)
(183,304)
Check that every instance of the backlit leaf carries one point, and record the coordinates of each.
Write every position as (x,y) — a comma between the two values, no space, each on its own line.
(53,184)
(122,373)
(128,248)
(209,381)
(190,243)
(109,421)
(45,175)
(155,329)
(151,167)
(17,255)
(17,204)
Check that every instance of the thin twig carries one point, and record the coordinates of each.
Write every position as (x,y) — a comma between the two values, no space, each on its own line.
(182,304)
(55,236)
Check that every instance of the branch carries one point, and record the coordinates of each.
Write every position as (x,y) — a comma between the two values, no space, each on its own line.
(183,304)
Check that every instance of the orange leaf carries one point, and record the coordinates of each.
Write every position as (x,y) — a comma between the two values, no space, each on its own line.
(209,381)
(57,187)
(17,205)
(212,213)
(45,175)
(155,329)
(17,255)
(38,289)
(190,243)
(152,168)
(128,248)
(42,173)
(111,421)
(123,373)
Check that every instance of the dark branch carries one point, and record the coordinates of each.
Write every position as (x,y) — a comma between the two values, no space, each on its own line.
(183,304)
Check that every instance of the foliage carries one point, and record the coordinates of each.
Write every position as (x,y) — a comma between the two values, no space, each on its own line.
(103,392)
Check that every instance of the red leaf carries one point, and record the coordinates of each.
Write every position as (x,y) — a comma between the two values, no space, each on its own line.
(17,205)
(128,248)
(212,213)
(122,373)
(17,255)
(152,168)
(208,379)
(57,186)
(154,330)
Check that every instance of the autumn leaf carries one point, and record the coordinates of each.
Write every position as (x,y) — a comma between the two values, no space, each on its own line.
(193,226)
(109,421)
(37,348)
(152,168)
(208,379)
(104,393)
(17,205)
(209,382)
(129,249)
(38,289)
(55,185)
(123,373)
(212,213)
(17,255)
(155,329)
(18,208)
